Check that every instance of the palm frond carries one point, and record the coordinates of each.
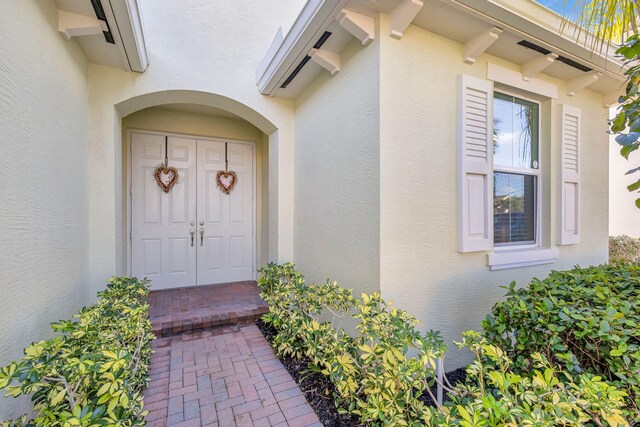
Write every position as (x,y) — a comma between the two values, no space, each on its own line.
(605,21)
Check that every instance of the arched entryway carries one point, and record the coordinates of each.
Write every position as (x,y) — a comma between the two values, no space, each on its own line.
(198,131)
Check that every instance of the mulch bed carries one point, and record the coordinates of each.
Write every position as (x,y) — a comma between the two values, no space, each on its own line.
(319,391)
(455,377)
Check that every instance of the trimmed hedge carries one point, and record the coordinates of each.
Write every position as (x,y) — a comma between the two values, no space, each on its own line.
(624,249)
(381,372)
(92,373)
(583,320)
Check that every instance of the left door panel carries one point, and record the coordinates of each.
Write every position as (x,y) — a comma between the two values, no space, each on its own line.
(161,243)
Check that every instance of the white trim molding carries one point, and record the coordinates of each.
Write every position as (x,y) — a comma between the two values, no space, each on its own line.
(516,79)
(502,260)
(128,21)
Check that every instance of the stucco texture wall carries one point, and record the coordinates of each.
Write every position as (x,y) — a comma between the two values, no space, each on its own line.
(420,266)
(197,124)
(624,216)
(44,175)
(192,51)
(336,233)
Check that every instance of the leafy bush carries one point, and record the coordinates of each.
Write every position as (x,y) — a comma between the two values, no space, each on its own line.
(586,319)
(372,373)
(624,249)
(496,395)
(376,379)
(92,373)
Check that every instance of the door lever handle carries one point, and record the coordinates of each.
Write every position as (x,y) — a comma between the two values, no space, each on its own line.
(192,231)
(201,236)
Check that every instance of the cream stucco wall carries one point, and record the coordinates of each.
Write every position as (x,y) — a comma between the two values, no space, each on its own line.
(624,216)
(195,57)
(420,266)
(376,181)
(44,268)
(205,125)
(336,233)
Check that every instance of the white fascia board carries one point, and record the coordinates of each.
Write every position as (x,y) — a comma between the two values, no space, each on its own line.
(279,61)
(541,26)
(126,27)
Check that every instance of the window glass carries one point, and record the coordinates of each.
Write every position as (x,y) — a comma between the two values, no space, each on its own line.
(515,132)
(514,208)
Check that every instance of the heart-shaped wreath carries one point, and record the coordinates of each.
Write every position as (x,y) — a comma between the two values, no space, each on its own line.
(166,177)
(226,180)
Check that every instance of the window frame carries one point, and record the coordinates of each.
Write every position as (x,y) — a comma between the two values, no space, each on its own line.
(537,173)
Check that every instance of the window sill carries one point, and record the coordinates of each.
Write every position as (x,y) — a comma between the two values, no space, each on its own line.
(502,260)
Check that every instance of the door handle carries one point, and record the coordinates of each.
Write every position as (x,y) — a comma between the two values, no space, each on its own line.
(192,231)
(201,236)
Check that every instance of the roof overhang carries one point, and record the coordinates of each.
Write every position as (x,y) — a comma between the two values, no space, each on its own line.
(520,31)
(285,54)
(109,32)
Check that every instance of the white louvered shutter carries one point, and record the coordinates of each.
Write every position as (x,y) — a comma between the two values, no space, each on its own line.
(569,203)
(475,164)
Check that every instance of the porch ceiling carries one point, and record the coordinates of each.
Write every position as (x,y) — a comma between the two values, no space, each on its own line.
(519,19)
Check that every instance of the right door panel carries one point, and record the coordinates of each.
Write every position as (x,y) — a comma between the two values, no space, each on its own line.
(225,221)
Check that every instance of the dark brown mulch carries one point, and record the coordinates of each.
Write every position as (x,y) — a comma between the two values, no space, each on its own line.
(318,391)
(455,377)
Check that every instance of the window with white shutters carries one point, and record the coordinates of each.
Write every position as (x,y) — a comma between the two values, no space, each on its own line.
(500,180)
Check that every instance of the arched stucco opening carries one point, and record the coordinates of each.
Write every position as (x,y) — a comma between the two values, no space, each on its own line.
(267,174)
(152,99)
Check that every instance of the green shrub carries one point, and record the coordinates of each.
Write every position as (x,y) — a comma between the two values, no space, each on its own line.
(376,379)
(584,320)
(496,395)
(372,373)
(624,248)
(92,373)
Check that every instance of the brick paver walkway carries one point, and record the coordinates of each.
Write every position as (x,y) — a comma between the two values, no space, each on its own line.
(222,377)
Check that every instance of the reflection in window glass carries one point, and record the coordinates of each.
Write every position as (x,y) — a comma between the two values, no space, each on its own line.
(514,210)
(515,132)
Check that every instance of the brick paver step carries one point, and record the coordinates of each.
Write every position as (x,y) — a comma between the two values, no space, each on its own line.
(178,310)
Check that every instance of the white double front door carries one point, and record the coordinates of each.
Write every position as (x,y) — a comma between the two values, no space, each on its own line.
(195,234)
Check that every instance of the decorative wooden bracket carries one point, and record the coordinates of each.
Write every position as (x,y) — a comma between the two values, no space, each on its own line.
(74,25)
(535,67)
(402,16)
(610,99)
(359,25)
(576,85)
(476,46)
(330,61)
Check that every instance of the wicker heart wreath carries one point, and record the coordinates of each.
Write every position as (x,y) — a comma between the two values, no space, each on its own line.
(166,177)
(226,180)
